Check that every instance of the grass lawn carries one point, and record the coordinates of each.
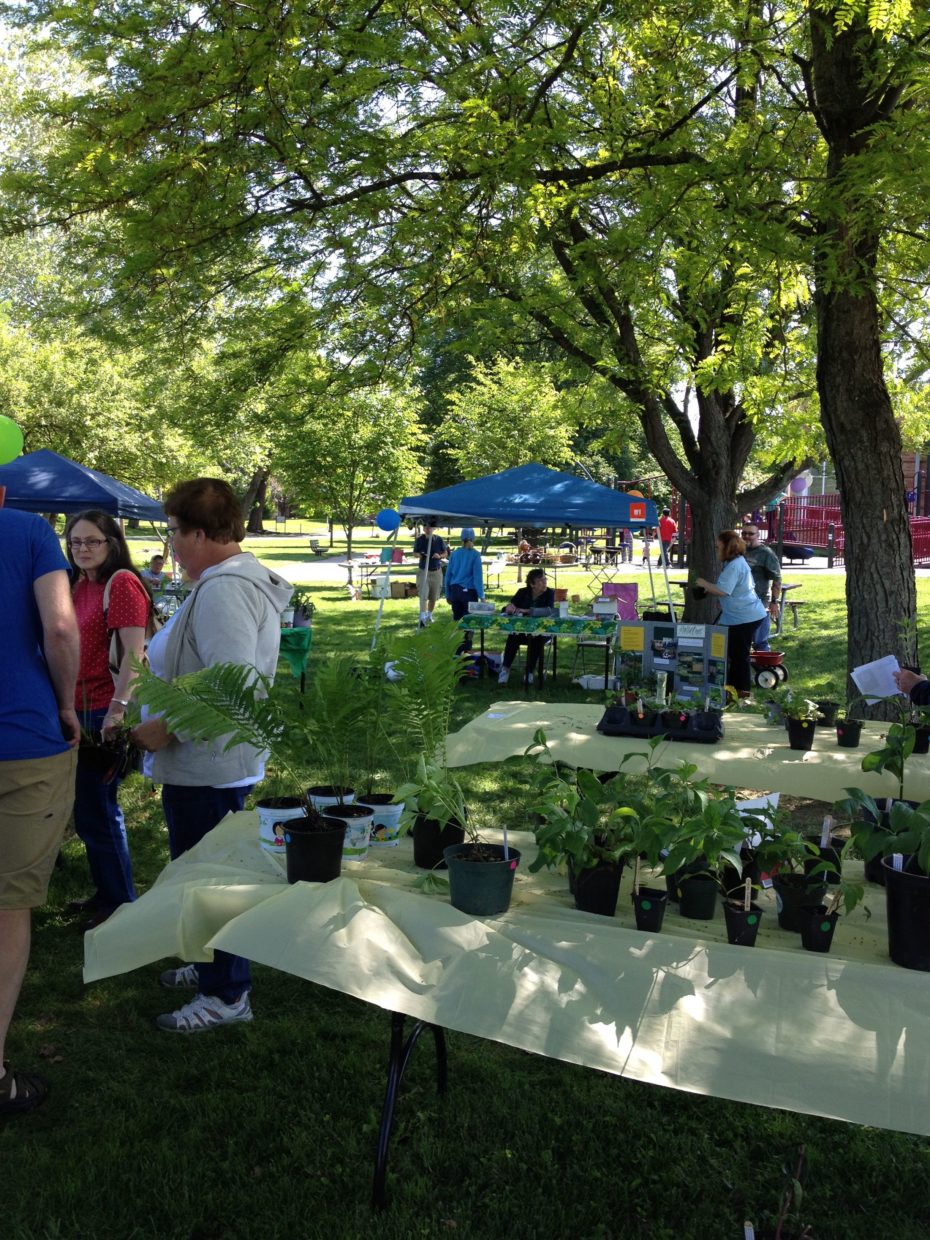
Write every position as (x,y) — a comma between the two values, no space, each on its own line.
(269,1130)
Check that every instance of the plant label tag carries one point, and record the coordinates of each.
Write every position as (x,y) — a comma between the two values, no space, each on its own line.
(897,861)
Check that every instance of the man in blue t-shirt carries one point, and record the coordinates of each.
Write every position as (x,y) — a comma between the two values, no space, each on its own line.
(39,733)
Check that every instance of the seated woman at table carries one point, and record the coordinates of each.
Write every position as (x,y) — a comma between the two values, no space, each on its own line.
(741,609)
(536,593)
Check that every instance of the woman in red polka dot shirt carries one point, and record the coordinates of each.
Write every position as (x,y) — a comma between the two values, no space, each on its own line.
(97,550)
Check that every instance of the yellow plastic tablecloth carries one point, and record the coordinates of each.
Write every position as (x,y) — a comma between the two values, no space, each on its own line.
(752,754)
(828,1035)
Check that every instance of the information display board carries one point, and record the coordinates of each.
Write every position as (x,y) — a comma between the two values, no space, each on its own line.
(687,659)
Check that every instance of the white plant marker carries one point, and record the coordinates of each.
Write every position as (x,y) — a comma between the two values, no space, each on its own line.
(706,702)
(826,832)
(747,895)
(636,876)
(506,845)
(749,1232)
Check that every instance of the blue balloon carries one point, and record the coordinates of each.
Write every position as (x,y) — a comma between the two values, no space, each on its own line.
(387,519)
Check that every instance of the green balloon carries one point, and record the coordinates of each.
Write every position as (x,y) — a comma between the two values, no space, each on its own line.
(11,440)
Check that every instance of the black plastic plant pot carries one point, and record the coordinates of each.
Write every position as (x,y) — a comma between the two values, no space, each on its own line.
(848,732)
(831,853)
(828,709)
(430,840)
(800,733)
(698,896)
(907,895)
(314,855)
(817,926)
(791,892)
(742,923)
(481,878)
(649,908)
(922,740)
(597,889)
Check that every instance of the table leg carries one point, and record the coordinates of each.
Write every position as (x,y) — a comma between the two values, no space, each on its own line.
(401,1050)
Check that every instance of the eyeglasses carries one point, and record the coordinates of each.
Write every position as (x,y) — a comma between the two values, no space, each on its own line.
(173,530)
(90,543)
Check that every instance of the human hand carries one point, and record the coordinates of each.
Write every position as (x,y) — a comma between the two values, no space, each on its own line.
(112,721)
(510,610)
(906,680)
(70,727)
(151,735)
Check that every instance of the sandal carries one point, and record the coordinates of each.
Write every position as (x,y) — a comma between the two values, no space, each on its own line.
(30,1091)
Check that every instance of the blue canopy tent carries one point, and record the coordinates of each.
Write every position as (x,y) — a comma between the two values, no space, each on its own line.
(43,481)
(532,495)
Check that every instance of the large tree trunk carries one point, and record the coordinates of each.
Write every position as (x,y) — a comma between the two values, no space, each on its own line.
(258,481)
(855,407)
(256,523)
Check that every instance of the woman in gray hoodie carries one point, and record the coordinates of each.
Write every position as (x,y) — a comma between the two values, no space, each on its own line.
(232,615)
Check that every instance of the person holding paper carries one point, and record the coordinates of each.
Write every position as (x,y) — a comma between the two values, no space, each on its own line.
(916,686)
(741,609)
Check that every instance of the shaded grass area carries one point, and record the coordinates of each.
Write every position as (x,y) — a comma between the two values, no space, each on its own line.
(269,1130)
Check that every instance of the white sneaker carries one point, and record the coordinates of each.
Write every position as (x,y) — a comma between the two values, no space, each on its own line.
(185,978)
(205,1012)
(504,676)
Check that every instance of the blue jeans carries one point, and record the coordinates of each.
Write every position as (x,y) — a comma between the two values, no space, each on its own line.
(99,822)
(190,813)
(760,639)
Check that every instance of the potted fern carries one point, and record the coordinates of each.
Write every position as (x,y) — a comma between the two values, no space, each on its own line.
(229,704)
(336,710)
(430,667)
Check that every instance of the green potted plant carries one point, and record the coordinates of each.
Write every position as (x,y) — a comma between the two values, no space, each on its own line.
(792,862)
(303,608)
(589,825)
(901,839)
(229,704)
(848,726)
(707,842)
(801,716)
(429,668)
(819,916)
(378,721)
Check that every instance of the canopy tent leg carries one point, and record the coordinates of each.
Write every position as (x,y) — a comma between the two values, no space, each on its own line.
(386,591)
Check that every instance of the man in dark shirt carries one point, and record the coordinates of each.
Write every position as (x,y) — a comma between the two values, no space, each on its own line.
(432,551)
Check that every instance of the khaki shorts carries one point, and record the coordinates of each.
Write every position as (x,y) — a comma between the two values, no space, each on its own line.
(36,796)
(429,586)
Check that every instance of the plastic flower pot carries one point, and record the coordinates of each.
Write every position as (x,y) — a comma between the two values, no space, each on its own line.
(921,740)
(907,895)
(698,896)
(742,923)
(791,892)
(800,733)
(817,927)
(481,878)
(273,812)
(314,853)
(649,908)
(358,820)
(321,796)
(597,889)
(385,826)
(430,841)
(831,853)
(828,708)
(848,732)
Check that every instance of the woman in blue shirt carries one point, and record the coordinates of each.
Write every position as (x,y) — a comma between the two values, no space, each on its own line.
(741,609)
